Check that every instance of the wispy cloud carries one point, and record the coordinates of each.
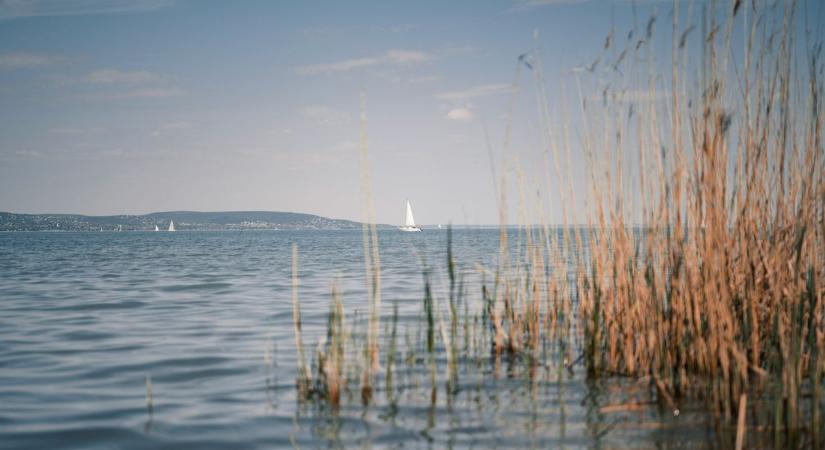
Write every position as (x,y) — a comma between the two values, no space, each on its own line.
(426,79)
(325,115)
(82,152)
(332,154)
(400,28)
(143,93)
(24,60)
(476,91)
(114,76)
(115,84)
(394,56)
(527,5)
(460,114)
(313,155)
(13,9)
(339,66)
(75,130)
(179,125)
(403,79)
(407,56)
(28,154)
(170,127)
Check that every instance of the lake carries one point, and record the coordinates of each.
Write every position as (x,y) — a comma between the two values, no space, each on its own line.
(85,318)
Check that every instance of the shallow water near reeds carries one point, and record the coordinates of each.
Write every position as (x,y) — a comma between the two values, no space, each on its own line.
(85,318)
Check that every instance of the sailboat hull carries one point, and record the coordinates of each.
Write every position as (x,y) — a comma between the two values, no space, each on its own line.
(409,229)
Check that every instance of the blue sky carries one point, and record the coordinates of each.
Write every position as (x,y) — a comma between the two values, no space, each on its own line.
(114,106)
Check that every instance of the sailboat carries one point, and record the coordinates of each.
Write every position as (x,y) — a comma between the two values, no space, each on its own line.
(156,228)
(171,225)
(409,222)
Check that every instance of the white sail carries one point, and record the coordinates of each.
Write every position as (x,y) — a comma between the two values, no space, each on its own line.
(156,228)
(171,225)
(409,221)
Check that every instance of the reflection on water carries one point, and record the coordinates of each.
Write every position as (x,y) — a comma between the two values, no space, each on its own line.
(85,318)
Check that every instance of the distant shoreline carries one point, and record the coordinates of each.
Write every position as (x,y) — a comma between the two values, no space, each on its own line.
(184,220)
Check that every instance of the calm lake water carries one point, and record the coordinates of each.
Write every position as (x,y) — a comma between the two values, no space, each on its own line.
(86,317)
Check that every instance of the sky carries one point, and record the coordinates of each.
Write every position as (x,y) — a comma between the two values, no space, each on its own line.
(129,107)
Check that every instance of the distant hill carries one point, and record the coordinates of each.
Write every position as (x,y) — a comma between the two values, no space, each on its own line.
(184,220)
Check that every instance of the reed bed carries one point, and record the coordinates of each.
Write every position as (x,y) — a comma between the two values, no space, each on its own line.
(718,293)
(698,268)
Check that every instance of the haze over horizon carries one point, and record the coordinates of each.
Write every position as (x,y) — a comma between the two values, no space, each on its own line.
(112,107)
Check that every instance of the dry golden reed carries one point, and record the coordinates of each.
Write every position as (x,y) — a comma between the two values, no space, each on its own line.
(699,265)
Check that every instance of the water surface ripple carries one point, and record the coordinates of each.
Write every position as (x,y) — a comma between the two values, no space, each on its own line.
(86,317)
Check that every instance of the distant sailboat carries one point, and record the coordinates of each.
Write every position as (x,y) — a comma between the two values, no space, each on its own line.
(171,225)
(409,221)
(156,228)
